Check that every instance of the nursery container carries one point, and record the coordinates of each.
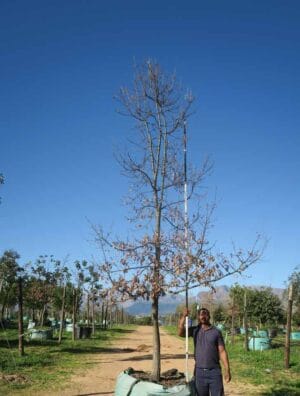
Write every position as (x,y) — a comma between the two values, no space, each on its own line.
(69,328)
(259,343)
(31,325)
(272,333)
(40,334)
(261,333)
(83,331)
(295,335)
(128,385)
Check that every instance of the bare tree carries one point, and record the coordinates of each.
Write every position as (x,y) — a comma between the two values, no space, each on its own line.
(156,260)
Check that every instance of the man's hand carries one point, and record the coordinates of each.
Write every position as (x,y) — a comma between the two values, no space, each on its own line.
(224,358)
(185,312)
(227,377)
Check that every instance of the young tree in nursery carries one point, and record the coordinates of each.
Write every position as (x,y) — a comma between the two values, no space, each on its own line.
(40,287)
(220,313)
(294,279)
(80,279)
(63,277)
(264,307)
(9,272)
(236,294)
(94,288)
(155,260)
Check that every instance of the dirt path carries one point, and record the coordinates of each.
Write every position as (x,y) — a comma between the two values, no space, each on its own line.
(132,350)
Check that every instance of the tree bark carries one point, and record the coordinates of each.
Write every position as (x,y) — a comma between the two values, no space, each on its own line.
(156,366)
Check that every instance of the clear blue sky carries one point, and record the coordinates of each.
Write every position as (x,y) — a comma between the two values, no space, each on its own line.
(62,62)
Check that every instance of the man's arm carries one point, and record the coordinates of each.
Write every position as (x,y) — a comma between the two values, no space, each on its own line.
(224,359)
(181,323)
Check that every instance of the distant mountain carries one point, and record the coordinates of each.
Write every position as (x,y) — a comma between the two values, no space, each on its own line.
(221,295)
(169,303)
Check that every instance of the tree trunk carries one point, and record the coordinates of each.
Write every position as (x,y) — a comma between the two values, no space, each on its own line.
(232,323)
(88,309)
(155,375)
(3,307)
(42,316)
(110,317)
(62,315)
(246,344)
(287,336)
(93,314)
(102,315)
(20,319)
(288,329)
(74,307)
(105,316)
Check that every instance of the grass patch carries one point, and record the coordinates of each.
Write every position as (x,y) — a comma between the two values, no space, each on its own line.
(47,364)
(263,368)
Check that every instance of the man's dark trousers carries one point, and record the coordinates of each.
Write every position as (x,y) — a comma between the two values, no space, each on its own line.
(209,382)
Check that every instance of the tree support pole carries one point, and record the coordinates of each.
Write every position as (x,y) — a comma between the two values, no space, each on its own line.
(288,329)
(20,321)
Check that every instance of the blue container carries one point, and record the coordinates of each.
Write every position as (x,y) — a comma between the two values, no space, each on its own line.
(40,335)
(261,333)
(259,343)
(31,325)
(69,328)
(127,384)
(295,335)
(242,330)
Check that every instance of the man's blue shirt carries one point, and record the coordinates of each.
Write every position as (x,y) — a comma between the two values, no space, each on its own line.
(207,344)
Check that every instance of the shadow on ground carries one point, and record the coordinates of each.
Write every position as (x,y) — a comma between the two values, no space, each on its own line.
(283,389)
(94,349)
(14,342)
(94,394)
(150,357)
(282,392)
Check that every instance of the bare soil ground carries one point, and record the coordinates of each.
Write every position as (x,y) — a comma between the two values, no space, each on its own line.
(133,350)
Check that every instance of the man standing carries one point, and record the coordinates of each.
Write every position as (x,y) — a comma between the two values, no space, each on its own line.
(209,350)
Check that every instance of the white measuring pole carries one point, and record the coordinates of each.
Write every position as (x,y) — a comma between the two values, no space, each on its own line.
(186,249)
(187,349)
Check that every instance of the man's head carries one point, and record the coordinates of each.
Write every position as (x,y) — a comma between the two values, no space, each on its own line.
(204,316)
